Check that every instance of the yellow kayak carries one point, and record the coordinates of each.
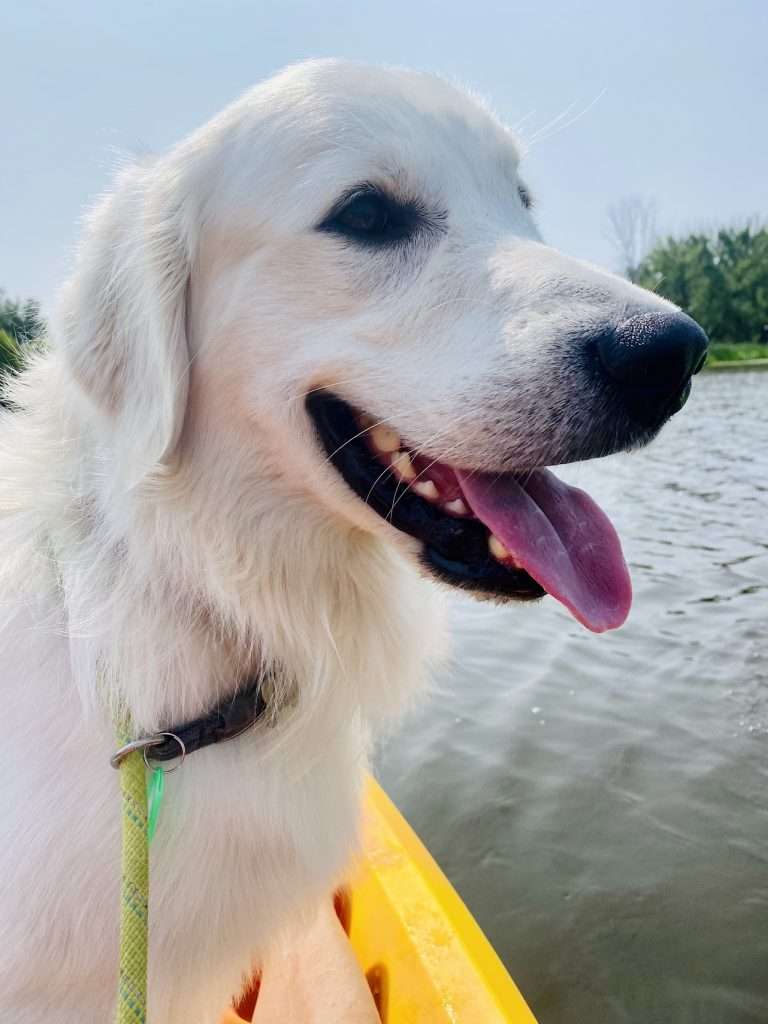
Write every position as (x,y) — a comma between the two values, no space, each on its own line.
(423,954)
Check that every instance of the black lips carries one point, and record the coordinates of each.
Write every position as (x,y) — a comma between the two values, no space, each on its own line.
(456,550)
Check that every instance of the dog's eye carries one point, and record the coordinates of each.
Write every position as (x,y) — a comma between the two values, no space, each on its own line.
(367,213)
(369,216)
(525,196)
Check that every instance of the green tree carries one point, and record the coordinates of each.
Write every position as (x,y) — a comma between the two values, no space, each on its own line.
(720,278)
(10,359)
(22,321)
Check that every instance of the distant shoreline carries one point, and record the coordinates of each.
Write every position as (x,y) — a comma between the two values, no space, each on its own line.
(737,364)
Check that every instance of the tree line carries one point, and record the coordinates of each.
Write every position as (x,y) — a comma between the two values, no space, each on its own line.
(719,277)
(21,323)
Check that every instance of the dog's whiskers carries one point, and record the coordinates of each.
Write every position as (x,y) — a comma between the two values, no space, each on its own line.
(559,124)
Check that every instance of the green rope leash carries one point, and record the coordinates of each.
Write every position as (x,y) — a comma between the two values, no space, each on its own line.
(140,810)
(141,801)
(134,893)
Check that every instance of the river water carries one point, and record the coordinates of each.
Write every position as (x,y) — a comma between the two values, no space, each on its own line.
(601,802)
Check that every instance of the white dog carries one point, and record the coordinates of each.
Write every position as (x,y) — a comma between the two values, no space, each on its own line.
(311,357)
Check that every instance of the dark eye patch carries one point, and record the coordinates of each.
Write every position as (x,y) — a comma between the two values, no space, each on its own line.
(369,216)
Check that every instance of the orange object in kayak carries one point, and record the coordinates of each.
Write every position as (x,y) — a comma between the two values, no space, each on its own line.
(424,955)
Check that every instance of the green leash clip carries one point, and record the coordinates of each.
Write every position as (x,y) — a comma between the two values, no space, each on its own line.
(155,791)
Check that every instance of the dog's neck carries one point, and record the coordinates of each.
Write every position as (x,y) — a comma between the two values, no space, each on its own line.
(179,590)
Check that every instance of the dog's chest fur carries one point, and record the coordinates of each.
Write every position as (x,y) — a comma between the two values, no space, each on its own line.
(244,842)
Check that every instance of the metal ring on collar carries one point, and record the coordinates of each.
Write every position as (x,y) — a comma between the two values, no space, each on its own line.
(157,738)
(146,741)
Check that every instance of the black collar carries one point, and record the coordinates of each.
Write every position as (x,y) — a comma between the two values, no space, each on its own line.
(227,720)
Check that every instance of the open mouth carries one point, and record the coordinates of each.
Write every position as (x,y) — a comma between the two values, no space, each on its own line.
(513,535)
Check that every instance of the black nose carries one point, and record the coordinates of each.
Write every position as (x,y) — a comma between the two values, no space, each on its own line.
(651,358)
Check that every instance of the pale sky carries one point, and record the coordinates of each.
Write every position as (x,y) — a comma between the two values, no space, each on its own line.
(668,100)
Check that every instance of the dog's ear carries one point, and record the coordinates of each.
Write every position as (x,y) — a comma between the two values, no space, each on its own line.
(123,317)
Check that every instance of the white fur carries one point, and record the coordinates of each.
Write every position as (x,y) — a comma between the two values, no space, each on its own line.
(168,523)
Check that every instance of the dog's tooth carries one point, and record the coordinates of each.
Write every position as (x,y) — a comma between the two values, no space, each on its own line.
(496,548)
(401,461)
(456,507)
(426,489)
(384,438)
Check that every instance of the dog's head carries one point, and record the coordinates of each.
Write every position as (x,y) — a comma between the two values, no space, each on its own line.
(349,260)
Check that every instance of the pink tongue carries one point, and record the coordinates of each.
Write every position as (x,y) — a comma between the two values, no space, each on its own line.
(560,537)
